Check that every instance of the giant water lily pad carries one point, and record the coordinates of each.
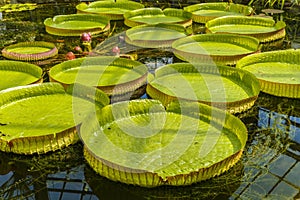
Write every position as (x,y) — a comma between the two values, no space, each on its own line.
(225,87)
(15,73)
(155,36)
(111,9)
(220,48)
(115,76)
(141,143)
(76,24)
(204,12)
(42,117)
(30,51)
(156,16)
(264,29)
(277,71)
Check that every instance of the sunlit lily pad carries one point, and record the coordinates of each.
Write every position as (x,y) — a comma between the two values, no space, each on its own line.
(204,12)
(111,9)
(142,143)
(30,51)
(225,87)
(155,36)
(277,71)
(115,76)
(42,117)
(264,29)
(15,73)
(156,15)
(76,24)
(220,48)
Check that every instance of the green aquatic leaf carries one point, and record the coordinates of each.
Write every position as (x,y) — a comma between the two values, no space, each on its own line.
(264,29)
(15,73)
(139,142)
(220,48)
(155,15)
(225,87)
(204,12)
(42,117)
(155,36)
(277,71)
(111,9)
(30,51)
(113,75)
(76,24)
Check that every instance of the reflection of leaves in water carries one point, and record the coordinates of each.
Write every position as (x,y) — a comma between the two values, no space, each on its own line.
(269,138)
(29,173)
(220,187)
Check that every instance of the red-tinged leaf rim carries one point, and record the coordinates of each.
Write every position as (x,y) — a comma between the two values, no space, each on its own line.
(30,51)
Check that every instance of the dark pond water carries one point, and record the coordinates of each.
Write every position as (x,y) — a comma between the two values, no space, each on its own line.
(269,168)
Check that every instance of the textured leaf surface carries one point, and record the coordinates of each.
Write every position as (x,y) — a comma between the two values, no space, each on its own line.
(276,72)
(214,48)
(244,25)
(143,135)
(155,33)
(15,73)
(42,109)
(196,87)
(101,71)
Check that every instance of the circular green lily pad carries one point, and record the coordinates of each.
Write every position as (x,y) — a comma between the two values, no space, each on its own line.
(15,73)
(40,118)
(76,24)
(30,51)
(264,29)
(204,12)
(155,36)
(277,71)
(140,142)
(156,16)
(111,9)
(115,76)
(225,87)
(220,48)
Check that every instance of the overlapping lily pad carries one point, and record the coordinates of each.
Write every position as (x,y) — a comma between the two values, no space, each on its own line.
(225,87)
(156,15)
(111,9)
(115,76)
(204,12)
(142,143)
(264,29)
(42,117)
(155,36)
(30,51)
(15,73)
(220,48)
(277,71)
(76,24)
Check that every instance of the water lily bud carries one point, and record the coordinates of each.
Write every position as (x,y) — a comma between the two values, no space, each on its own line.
(116,50)
(70,56)
(78,49)
(86,37)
